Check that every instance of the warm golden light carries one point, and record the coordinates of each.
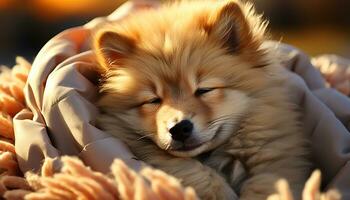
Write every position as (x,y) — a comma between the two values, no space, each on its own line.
(4,4)
(61,8)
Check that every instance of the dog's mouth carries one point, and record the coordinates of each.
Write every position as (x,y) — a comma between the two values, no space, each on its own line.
(189,147)
(195,148)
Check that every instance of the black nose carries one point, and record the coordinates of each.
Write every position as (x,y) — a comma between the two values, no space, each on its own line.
(182,130)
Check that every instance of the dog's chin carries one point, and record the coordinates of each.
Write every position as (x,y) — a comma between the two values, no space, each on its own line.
(192,151)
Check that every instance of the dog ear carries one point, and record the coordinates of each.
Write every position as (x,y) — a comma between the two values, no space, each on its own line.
(230,26)
(111,46)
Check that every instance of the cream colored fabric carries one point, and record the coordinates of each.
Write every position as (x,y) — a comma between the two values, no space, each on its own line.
(61,91)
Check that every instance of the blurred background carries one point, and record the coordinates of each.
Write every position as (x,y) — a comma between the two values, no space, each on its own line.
(315,26)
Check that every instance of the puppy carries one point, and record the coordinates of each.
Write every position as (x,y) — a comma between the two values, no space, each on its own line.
(190,89)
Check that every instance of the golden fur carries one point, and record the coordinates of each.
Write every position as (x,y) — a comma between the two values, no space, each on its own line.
(202,61)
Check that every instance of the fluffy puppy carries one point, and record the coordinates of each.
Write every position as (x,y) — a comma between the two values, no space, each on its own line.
(190,89)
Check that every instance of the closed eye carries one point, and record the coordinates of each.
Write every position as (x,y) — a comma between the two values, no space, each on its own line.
(154,101)
(201,91)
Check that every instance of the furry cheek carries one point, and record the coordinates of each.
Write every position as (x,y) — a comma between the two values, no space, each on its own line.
(233,105)
(229,105)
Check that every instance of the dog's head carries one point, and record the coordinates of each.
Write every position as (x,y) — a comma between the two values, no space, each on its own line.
(182,75)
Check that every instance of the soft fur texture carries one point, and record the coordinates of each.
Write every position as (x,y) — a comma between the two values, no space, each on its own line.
(202,61)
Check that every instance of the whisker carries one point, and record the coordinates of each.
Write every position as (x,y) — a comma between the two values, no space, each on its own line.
(167,146)
(145,136)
